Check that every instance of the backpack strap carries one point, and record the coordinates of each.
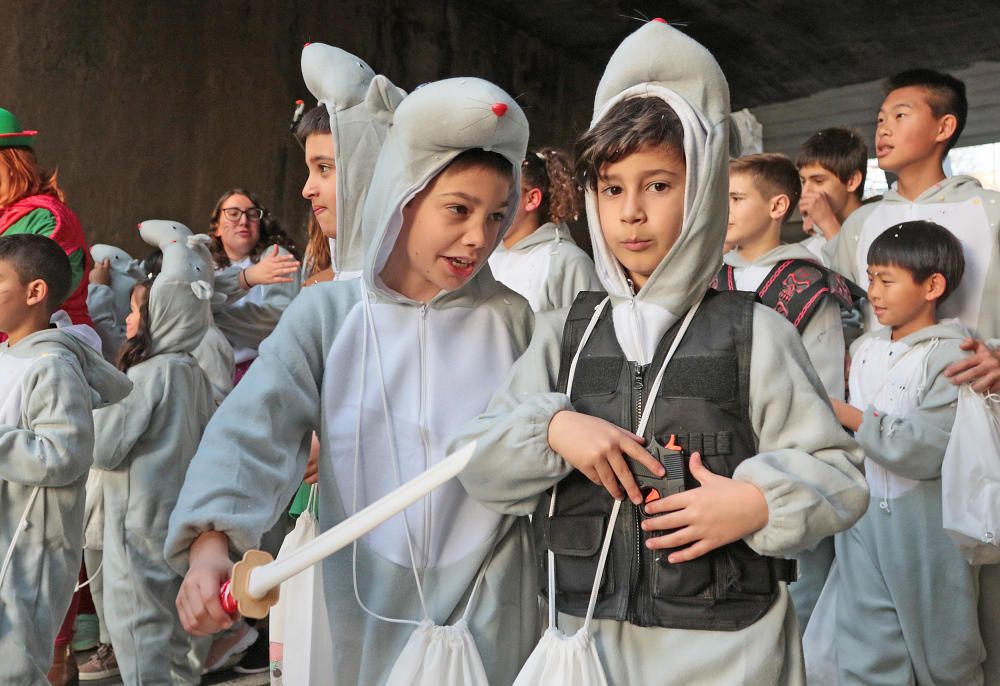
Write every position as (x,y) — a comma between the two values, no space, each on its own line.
(796,288)
(725,280)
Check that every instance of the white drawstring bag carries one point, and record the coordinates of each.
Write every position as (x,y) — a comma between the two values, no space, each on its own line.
(818,641)
(299,632)
(970,478)
(560,659)
(434,655)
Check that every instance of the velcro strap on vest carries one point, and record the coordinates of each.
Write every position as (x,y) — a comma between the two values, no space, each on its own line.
(707,445)
(784,570)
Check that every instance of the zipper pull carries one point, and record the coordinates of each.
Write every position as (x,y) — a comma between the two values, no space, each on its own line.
(423,311)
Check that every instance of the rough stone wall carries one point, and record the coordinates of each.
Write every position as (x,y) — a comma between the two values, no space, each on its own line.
(152,109)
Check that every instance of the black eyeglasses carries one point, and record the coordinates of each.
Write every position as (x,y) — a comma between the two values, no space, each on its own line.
(233,214)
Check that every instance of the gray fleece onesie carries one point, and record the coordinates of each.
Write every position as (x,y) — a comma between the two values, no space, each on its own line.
(962,206)
(143,446)
(49,384)
(906,605)
(440,363)
(807,466)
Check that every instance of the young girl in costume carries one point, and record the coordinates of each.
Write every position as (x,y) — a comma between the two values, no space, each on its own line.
(386,366)
(143,445)
(538,257)
(688,587)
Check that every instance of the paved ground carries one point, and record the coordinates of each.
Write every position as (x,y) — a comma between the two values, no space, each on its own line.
(228,677)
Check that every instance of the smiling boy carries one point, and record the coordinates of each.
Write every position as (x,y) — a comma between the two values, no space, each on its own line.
(906,610)
(387,367)
(693,591)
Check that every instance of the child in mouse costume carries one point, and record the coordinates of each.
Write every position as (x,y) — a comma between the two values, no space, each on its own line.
(143,446)
(427,325)
(693,589)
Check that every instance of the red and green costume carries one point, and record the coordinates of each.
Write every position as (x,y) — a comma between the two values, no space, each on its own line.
(46,216)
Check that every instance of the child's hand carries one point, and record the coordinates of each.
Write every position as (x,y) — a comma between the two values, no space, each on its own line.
(272,268)
(849,416)
(198,604)
(817,213)
(597,448)
(100,273)
(706,518)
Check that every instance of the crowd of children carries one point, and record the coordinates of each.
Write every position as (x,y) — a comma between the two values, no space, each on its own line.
(675,442)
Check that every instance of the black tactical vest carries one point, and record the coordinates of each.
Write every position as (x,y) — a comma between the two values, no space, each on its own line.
(703,401)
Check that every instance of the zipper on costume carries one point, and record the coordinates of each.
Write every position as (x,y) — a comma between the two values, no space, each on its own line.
(422,426)
(638,389)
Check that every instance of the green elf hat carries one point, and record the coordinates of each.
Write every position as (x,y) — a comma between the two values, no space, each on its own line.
(12,134)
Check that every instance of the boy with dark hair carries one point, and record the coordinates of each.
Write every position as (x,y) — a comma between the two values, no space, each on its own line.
(919,121)
(720,387)
(763,190)
(48,380)
(832,164)
(906,609)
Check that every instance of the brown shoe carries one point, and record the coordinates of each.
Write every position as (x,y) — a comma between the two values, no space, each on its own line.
(101,664)
(64,671)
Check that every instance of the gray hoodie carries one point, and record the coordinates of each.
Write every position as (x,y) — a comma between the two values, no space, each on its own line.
(49,384)
(360,104)
(546,267)
(807,466)
(823,336)
(959,204)
(435,365)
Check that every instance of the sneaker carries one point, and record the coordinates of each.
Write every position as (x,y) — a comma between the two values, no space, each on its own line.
(227,649)
(101,664)
(256,659)
(86,633)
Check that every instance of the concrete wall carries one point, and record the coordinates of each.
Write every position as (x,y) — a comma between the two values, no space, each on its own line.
(152,109)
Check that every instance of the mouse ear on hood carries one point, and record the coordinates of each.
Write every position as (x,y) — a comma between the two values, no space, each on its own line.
(382,99)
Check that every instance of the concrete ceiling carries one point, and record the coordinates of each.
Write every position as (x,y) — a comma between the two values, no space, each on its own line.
(778,50)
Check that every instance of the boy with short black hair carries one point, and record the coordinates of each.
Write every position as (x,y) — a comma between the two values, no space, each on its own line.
(695,574)
(832,164)
(920,119)
(48,379)
(907,599)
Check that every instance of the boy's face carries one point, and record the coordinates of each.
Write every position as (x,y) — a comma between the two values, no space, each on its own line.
(640,202)
(448,230)
(816,178)
(906,131)
(320,188)
(15,298)
(897,298)
(749,211)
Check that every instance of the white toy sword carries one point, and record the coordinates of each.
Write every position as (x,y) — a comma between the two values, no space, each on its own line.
(253,589)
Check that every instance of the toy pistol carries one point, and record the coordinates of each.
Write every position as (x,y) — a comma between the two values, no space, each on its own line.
(671,456)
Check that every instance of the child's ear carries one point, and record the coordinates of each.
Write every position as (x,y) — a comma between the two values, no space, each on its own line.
(936,286)
(383,98)
(854,181)
(37,292)
(779,206)
(532,199)
(946,127)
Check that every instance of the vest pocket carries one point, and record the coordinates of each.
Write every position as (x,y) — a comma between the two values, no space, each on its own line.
(681,580)
(575,540)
